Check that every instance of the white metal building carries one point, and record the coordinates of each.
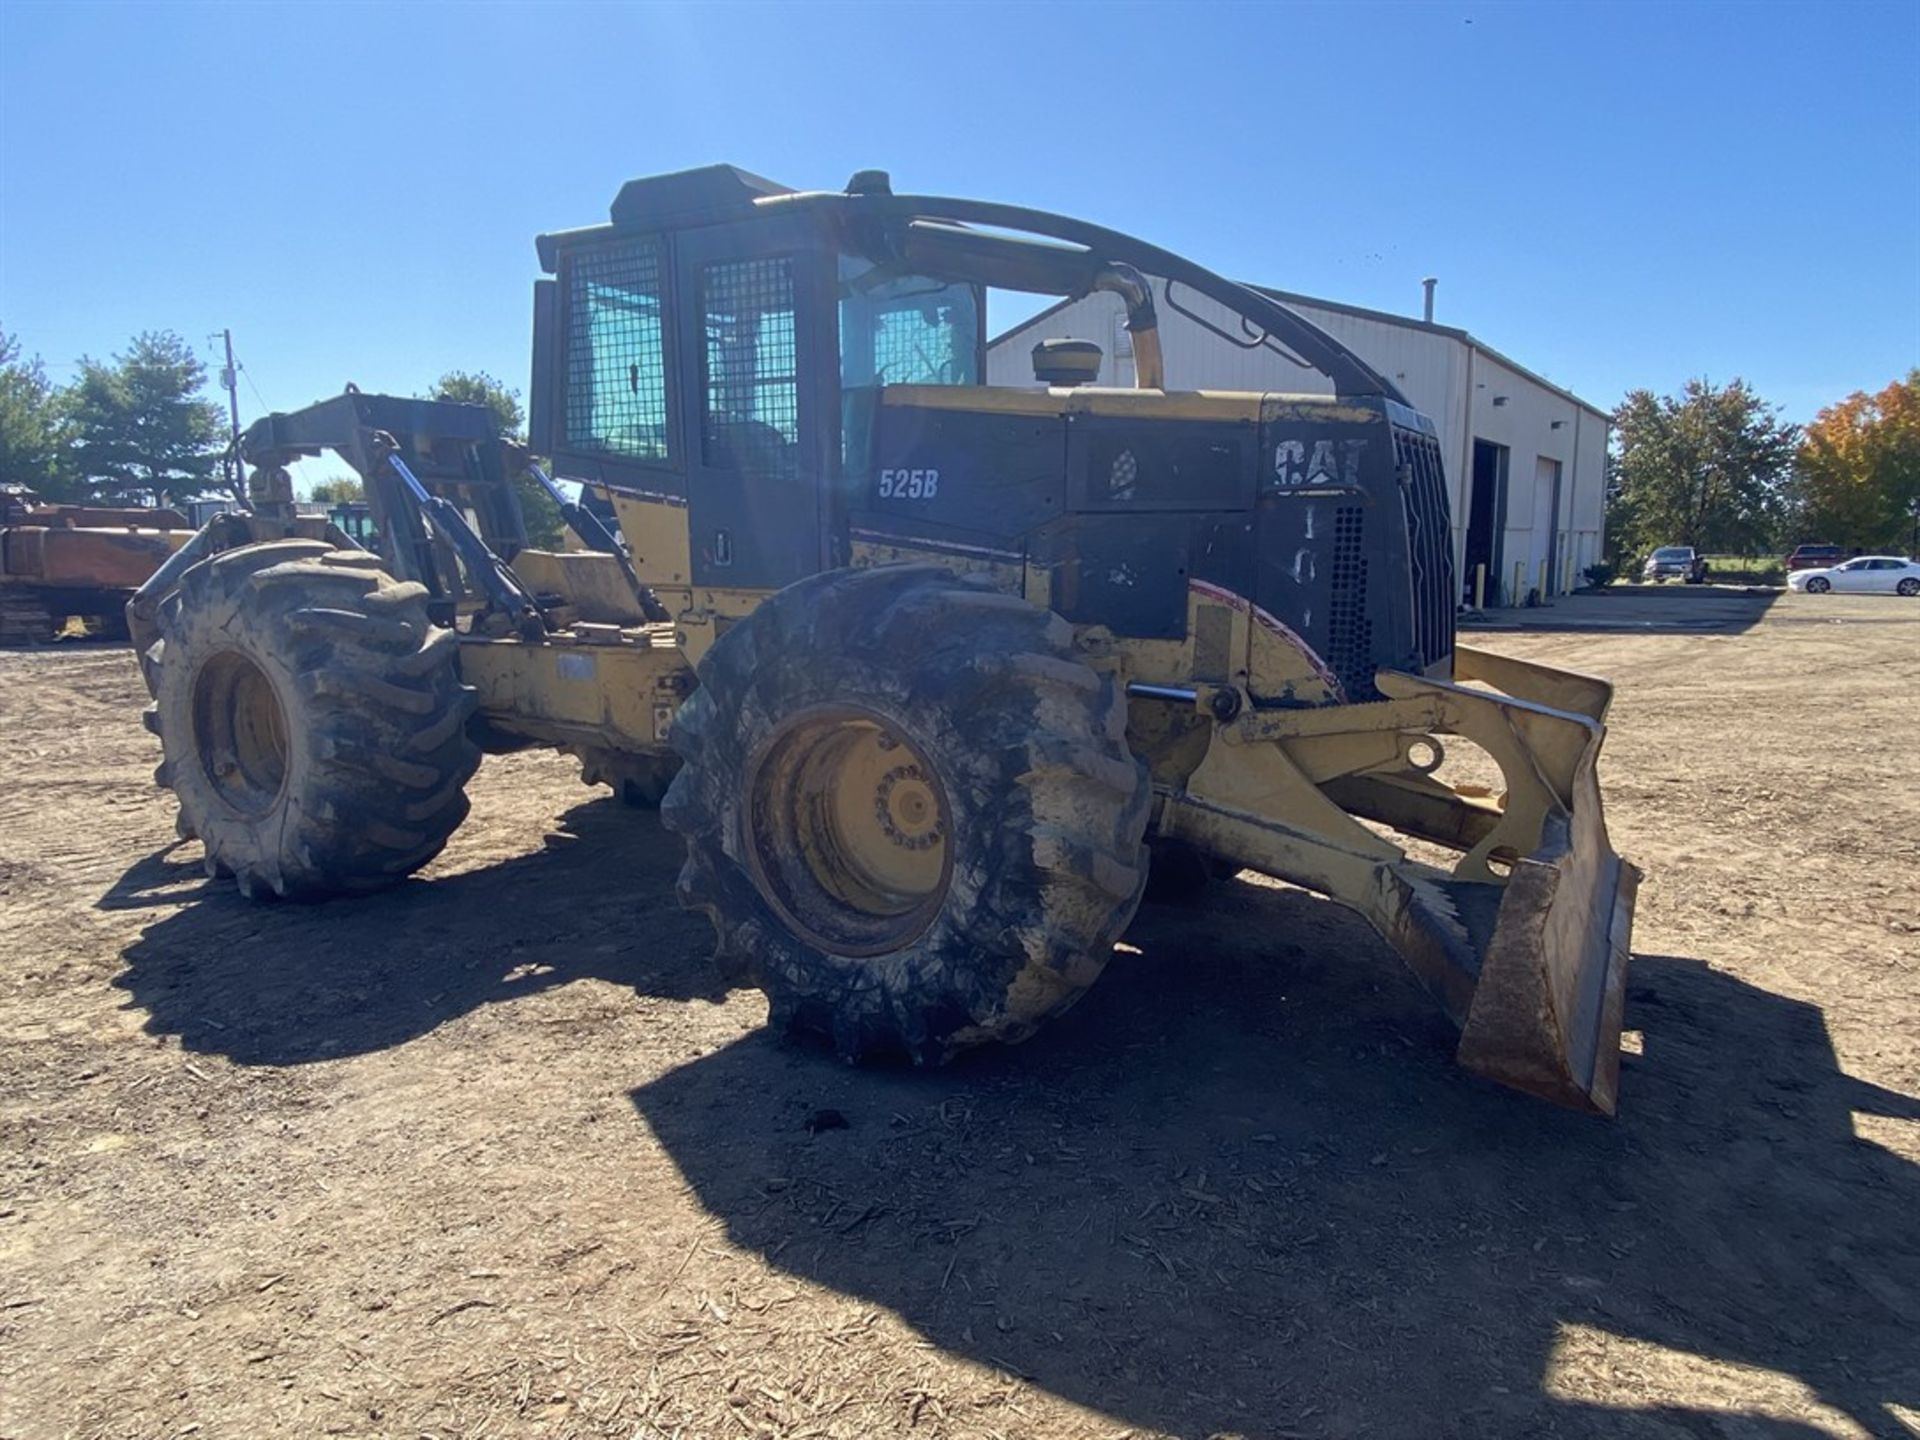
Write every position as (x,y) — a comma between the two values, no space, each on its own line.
(1526,460)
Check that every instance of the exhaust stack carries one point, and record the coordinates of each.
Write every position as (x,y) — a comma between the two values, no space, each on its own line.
(1427,285)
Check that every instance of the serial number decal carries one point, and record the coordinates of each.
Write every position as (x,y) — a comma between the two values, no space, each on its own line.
(1293,466)
(909,484)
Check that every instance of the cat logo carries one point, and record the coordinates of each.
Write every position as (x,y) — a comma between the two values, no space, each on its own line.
(1293,465)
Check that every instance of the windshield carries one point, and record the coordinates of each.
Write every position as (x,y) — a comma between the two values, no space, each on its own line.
(906,329)
(1673,552)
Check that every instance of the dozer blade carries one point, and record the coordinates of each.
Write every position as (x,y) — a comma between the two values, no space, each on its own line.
(1546,1010)
(1549,973)
(1525,939)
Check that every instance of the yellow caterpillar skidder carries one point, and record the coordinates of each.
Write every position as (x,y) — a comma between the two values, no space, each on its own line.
(927,672)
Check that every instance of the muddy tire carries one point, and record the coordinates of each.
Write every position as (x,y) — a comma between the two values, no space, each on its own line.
(312,720)
(637,780)
(909,810)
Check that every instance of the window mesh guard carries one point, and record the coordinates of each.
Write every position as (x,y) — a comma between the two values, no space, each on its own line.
(616,354)
(750,410)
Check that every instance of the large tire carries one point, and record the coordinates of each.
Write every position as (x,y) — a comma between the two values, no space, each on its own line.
(907,707)
(637,780)
(312,719)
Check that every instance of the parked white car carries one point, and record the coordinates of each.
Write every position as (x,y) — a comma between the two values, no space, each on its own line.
(1865,574)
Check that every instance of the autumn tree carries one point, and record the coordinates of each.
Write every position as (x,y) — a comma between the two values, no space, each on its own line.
(545,527)
(1708,467)
(32,439)
(141,426)
(1859,469)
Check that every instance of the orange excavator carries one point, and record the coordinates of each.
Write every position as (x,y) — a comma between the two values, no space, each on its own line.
(58,562)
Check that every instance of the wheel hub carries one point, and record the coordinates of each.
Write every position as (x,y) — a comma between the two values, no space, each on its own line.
(847,828)
(240,733)
(906,808)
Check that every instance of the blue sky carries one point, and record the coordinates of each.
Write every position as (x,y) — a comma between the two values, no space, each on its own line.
(1614,195)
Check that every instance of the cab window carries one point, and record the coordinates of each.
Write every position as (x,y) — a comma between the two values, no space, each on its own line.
(750,380)
(616,353)
(906,329)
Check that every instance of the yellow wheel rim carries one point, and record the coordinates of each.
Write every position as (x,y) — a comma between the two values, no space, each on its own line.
(848,830)
(239,733)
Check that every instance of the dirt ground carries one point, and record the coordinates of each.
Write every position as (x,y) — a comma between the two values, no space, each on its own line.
(492,1155)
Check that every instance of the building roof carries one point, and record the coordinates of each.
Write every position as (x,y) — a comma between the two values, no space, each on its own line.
(1387,317)
(1293,300)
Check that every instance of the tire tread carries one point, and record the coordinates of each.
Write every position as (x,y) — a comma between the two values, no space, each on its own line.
(375,699)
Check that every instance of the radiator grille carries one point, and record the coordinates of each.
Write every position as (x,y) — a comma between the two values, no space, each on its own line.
(1350,651)
(1429,542)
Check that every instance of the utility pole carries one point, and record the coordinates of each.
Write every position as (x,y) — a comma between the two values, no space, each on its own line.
(230,378)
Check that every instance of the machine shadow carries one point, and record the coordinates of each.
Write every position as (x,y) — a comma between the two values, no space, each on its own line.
(263,984)
(1675,610)
(1243,1190)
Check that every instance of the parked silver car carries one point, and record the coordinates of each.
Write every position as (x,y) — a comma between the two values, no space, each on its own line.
(1675,562)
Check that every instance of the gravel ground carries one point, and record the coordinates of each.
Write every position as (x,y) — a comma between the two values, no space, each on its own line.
(493,1155)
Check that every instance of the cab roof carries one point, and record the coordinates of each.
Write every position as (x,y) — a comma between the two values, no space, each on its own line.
(675,201)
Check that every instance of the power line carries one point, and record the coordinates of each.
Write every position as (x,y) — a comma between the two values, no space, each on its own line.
(213,350)
(255,388)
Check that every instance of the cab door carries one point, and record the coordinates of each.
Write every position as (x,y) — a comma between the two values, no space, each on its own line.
(757,341)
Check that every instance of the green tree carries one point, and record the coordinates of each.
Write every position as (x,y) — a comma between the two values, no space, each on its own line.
(545,528)
(1709,467)
(476,387)
(32,442)
(1859,469)
(335,492)
(141,425)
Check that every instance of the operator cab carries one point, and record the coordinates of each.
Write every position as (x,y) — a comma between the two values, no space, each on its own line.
(801,379)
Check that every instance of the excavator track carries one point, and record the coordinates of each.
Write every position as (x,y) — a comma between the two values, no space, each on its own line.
(24,617)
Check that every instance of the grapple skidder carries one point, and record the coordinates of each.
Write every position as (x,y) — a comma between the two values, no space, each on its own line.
(927,673)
